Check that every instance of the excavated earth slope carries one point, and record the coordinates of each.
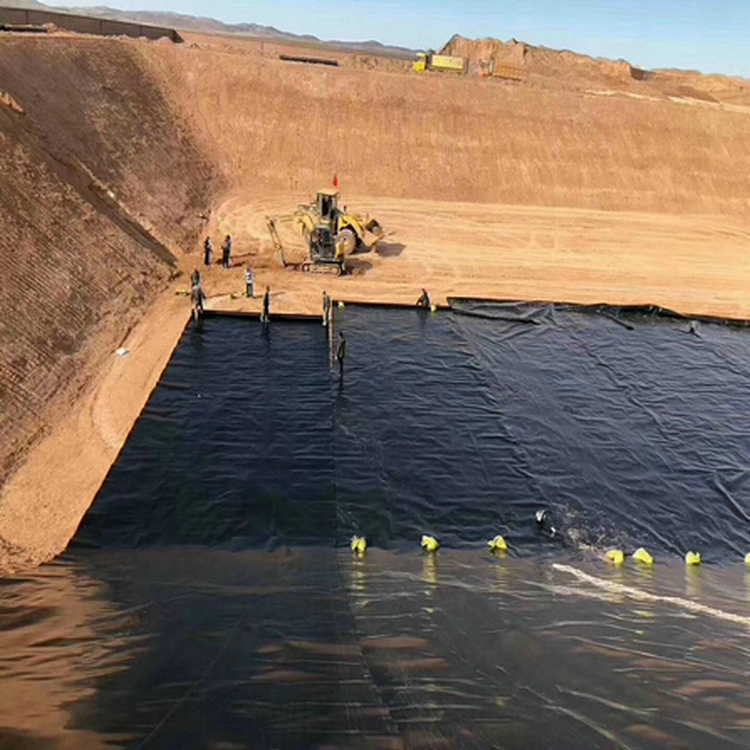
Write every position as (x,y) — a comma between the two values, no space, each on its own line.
(92,157)
(285,126)
(115,151)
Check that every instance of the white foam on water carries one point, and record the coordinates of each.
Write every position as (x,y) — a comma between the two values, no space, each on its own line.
(620,589)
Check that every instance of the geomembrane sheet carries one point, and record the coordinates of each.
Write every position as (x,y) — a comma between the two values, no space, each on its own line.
(629,431)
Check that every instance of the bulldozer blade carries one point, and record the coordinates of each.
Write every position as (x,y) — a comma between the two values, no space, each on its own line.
(370,239)
(374,226)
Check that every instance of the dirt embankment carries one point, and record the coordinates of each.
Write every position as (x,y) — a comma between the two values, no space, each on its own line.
(284,126)
(94,105)
(100,187)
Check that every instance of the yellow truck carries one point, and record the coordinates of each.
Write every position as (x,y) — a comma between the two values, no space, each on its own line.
(431,61)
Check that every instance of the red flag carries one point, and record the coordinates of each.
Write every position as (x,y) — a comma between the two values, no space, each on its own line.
(335,180)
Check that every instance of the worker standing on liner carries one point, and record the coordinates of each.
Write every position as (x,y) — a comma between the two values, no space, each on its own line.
(207,250)
(264,318)
(326,309)
(196,297)
(424,300)
(341,353)
(195,278)
(249,283)
(226,250)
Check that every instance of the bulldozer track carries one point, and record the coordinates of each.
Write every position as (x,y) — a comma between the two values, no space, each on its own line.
(329,269)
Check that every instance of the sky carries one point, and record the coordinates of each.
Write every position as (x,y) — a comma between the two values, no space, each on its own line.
(713,37)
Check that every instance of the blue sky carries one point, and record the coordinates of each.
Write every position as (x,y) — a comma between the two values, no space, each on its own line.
(713,37)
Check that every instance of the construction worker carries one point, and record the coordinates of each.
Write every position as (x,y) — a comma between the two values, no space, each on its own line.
(424,300)
(249,283)
(196,297)
(207,250)
(226,250)
(265,318)
(341,353)
(326,309)
(195,278)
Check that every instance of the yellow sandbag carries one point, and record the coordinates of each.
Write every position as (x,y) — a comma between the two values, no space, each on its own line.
(615,556)
(429,543)
(359,545)
(498,544)
(641,556)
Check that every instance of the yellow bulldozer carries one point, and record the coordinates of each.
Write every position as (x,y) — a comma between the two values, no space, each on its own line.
(329,233)
(353,231)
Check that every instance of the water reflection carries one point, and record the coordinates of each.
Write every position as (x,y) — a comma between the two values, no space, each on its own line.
(190,648)
(693,581)
(59,635)
(582,664)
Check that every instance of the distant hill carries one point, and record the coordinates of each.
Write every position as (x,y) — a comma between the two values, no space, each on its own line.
(184,22)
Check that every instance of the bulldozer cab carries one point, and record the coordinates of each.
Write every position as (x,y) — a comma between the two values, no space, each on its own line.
(322,245)
(328,201)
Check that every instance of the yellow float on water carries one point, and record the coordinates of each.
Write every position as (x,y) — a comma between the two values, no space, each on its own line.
(433,308)
(615,556)
(429,543)
(747,559)
(641,556)
(341,305)
(693,558)
(498,544)
(359,545)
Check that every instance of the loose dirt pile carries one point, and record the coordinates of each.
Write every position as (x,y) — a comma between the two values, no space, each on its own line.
(544,67)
